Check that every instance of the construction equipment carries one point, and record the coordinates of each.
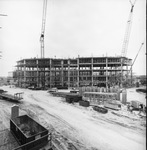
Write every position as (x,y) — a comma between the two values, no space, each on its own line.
(126,38)
(43,28)
(135,57)
(100,109)
(134,61)
(17,97)
(127,33)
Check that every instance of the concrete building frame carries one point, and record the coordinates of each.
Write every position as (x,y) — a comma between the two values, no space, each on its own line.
(76,72)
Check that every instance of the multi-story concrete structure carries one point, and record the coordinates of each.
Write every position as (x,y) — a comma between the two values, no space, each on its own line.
(81,71)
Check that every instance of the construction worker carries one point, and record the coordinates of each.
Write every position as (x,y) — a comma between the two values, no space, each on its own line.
(140,108)
(128,107)
(131,109)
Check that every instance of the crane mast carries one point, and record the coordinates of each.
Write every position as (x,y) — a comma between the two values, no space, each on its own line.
(127,33)
(43,28)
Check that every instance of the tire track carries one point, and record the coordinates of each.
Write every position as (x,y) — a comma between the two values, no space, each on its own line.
(59,139)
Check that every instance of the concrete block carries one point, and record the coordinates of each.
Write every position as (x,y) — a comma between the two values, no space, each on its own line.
(14,111)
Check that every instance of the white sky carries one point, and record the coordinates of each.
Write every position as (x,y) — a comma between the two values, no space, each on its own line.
(73,27)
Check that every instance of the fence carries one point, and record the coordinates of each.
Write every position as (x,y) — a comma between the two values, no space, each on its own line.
(103,90)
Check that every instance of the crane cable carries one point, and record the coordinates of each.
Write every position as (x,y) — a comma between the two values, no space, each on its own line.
(136,56)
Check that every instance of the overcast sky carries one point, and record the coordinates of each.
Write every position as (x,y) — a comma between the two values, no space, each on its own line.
(73,27)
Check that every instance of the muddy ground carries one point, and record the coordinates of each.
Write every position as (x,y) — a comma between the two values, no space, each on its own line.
(76,127)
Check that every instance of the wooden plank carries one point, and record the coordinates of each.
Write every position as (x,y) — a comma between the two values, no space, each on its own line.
(9,97)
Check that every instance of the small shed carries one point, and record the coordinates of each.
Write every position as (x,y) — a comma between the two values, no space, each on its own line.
(73,97)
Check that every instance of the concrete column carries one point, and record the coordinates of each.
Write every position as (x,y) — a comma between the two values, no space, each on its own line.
(24,83)
(118,95)
(131,76)
(18,76)
(80,91)
(127,70)
(50,73)
(121,70)
(68,73)
(62,73)
(124,96)
(14,111)
(111,89)
(92,71)
(78,69)
(37,73)
(98,89)
(106,72)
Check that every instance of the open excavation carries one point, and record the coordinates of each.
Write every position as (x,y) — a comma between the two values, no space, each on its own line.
(75,127)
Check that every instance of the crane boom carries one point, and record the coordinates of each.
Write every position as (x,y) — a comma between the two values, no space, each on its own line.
(3,15)
(136,57)
(127,32)
(43,27)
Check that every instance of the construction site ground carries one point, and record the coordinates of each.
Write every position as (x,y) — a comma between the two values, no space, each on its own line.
(74,127)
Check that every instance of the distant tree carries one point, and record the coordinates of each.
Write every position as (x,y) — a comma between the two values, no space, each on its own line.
(114,80)
(143,81)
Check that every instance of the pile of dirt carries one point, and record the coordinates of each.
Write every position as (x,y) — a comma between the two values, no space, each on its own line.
(142,90)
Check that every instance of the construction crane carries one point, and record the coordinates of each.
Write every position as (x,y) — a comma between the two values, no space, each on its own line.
(136,57)
(130,70)
(127,32)
(43,27)
(126,38)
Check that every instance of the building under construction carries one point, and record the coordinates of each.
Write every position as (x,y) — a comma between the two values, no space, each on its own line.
(77,72)
(81,71)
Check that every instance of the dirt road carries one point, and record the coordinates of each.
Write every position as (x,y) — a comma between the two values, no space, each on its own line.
(76,127)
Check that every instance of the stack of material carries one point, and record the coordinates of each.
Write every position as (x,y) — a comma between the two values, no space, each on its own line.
(2,91)
(113,104)
(70,98)
(100,109)
(84,103)
(135,104)
(52,90)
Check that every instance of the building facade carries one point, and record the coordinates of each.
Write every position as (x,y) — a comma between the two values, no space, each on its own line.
(81,71)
